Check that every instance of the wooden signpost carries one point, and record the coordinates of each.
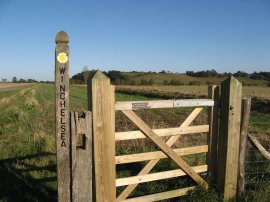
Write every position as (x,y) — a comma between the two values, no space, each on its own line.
(62,116)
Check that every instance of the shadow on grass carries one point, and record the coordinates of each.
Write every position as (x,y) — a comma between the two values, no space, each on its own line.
(17,184)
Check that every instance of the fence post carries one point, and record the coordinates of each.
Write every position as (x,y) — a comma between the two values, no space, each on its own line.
(101,103)
(229,137)
(212,138)
(246,105)
(62,127)
(81,156)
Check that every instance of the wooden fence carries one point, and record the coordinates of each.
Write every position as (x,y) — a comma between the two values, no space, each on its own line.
(86,160)
(254,158)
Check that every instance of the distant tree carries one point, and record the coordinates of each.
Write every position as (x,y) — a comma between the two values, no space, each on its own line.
(260,75)
(31,81)
(227,74)
(4,80)
(117,77)
(85,74)
(189,73)
(163,71)
(22,81)
(14,79)
(240,74)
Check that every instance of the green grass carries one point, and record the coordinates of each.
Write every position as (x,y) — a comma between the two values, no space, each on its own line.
(27,146)
(259,123)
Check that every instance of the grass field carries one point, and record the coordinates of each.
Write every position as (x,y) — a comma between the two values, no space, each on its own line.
(27,145)
(159,78)
(262,92)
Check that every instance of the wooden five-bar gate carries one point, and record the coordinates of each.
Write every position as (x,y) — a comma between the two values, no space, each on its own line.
(86,161)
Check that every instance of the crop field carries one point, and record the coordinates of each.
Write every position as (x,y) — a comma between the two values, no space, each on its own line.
(261,92)
(159,78)
(27,142)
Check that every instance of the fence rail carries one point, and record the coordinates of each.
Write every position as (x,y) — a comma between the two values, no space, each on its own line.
(153,104)
(132,158)
(129,135)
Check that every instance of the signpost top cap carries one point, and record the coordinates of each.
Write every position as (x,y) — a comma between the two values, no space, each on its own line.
(62,37)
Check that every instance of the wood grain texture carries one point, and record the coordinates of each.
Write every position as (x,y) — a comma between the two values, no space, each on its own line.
(212,138)
(245,113)
(229,137)
(129,135)
(161,196)
(102,105)
(131,158)
(62,130)
(152,104)
(81,135)
(164,147)
(157,176)
(261,149)
(152,163)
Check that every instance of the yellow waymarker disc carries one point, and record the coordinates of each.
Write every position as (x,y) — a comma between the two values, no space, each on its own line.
(62,57)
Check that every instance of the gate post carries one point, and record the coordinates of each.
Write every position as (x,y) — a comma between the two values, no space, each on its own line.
(81,156)
(62,126)
(229,137)
(212,138)
(101,103)
(245,113)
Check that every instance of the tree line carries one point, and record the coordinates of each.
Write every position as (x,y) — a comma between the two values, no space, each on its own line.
(15,80)
(120,78)
(116,77)
(212,73)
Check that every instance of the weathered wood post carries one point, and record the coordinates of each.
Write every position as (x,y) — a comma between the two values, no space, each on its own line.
(62,116)
(229,137)
(246,105)
(81,158)
(212,138)
(101,102)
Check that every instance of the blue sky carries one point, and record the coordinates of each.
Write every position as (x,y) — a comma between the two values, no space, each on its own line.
(147,35)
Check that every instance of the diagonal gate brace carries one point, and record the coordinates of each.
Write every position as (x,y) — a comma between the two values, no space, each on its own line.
(164,147)
(152,163)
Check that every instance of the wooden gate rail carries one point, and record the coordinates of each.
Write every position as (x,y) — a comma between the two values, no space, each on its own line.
(161,196)
(157,176)
(129,135)
(132,158)
(153,104)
